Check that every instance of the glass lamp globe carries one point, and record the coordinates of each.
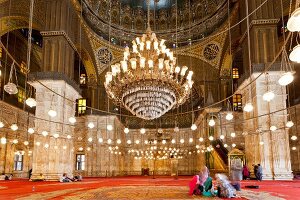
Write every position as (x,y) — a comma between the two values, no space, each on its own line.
(155,142)
(232,134)
(143,131)
(109,127)
(64,147)
(289,124)
(15,141)
(273,128)
(109,141)
(38,143)
(225,145)
(293,23)
(100,140)
(3,140)
(201,139)
(294,148)
(14,127)
(176,129)
(233,145)
(72,120)
(173,141)
(248,107)
(261,143)
(80,148)
(211,122)
(119,141)
(30,130)
(211,138)
(191,140)
(26,143)
(126,130)
(91,125)
(1,124)
(45,133)
(181,141)
(69,136)
(128,141)
(46,146)
(286,78)
(11,88)
(222,137)
(137,141)
(163,141)
(294,137)
(146,142)
(229,116)
(90,139)
(194,127)
(52,113)
(294,55)
(160,130)
(31,102)
(56,135)
(268,96)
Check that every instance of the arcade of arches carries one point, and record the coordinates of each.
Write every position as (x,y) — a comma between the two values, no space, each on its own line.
(235,60)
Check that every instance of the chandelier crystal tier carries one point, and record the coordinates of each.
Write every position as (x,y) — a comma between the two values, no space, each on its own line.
(147,81)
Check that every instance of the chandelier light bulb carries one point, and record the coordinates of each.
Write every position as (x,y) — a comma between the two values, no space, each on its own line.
(160,130)
(90,139)
(119,141)
(222,137)
(163,141)
(229,116)
(293,24)
(225,145)
(80,148)
(52,113)
(30,130)
(232,134)
(143,131)
(173,141)
(137,141)
(56,135)
(1,124)
(3,140)
(91,125)
(176,129)
(38,143)
(46,146)
(45,133)
(248,107)
(146,142)
(126,130)
(286,78)
(26,143)
(268,96)
(273,128)
(211,138)
(155,142)
(128,141)
(109,141)
(261,143)
(64,147)
(201,139)
(194,127)
(15,141)
(294,55)
(290,124)
(181,141)
(211,122)
(69,136)
(100,140)
(294,137)
(72,120)
(14,127)
(233,145)
(109,127)
(31,102)
(294,148)
(191,140)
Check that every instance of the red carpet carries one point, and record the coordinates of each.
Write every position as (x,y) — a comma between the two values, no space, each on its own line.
(23,188)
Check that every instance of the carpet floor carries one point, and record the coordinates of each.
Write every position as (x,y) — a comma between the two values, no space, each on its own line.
(136,188)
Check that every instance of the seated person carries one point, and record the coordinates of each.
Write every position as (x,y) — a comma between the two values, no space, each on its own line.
(78,177)
(2,177)
(9,177)
(65,178)
(194,185)
(225,189)
(39,178)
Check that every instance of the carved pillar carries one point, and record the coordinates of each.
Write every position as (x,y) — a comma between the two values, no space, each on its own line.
(58,48)
(53,155)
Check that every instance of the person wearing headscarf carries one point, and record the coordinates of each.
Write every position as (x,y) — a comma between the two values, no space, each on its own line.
(246,172)
(259,172)
(236,172)
(225,189)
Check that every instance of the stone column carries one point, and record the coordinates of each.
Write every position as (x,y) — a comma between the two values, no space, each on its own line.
(53,156)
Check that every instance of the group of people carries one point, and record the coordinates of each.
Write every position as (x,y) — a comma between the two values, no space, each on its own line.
(202,184)
(3,176)
(64,178)
(258,172)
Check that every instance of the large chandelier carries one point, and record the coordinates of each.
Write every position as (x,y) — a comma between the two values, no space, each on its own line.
(147,81)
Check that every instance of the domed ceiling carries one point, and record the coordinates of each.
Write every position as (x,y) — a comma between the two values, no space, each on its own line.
(195,18)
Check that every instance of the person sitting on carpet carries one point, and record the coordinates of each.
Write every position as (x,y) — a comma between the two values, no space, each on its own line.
(78,177)
(9,177)
(246,173)
(205,185)
(225,189)
(65,178)
(39,178)
(259,172)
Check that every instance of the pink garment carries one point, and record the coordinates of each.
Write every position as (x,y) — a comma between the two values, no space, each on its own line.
(245,171)
(193,184)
